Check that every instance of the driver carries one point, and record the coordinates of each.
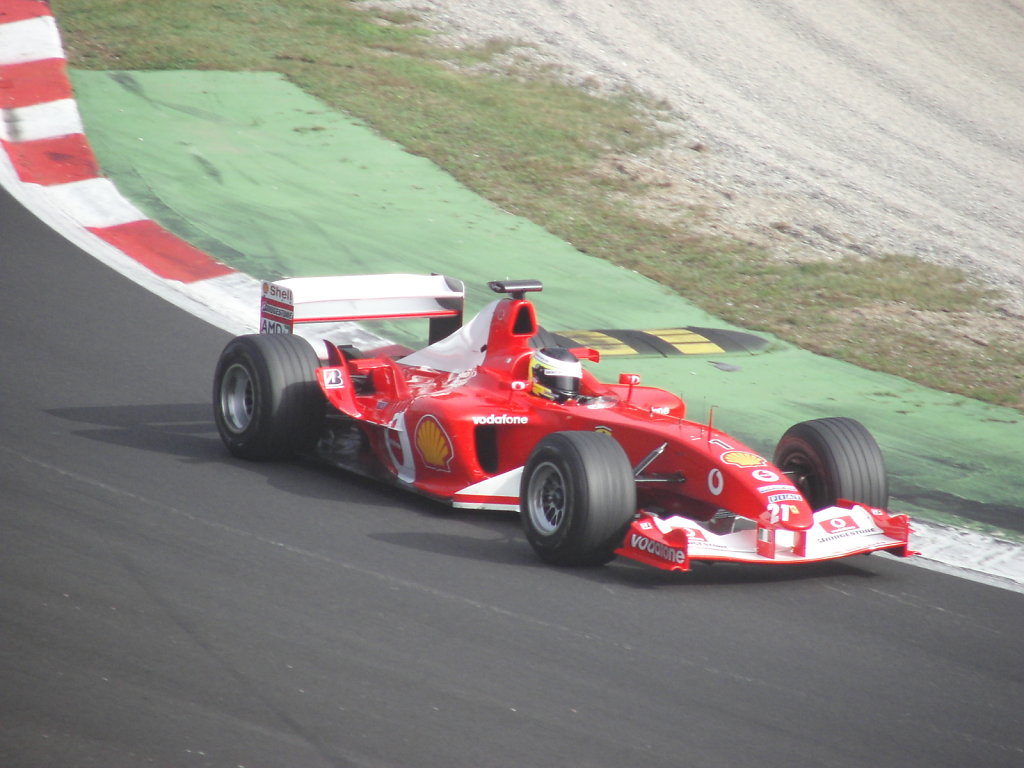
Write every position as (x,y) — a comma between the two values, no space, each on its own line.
(555,374)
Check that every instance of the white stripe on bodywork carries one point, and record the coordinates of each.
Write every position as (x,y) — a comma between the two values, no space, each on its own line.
(503,486)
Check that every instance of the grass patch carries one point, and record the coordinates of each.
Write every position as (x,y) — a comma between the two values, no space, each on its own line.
(541,150)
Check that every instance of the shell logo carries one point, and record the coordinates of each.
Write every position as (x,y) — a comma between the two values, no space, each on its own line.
(743,459)
(433,444)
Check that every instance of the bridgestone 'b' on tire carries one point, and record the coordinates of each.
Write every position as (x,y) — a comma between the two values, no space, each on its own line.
(830,459)
(266,399)
(577,498)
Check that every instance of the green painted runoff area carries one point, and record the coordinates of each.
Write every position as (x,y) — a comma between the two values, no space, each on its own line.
(271,181)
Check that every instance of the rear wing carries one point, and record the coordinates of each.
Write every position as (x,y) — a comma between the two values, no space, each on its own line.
(285,304)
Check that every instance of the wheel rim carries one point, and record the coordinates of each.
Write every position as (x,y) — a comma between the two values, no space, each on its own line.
(803,473)
(237,398)
(547,499)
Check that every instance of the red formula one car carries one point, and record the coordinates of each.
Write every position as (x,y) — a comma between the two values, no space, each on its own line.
(492,415)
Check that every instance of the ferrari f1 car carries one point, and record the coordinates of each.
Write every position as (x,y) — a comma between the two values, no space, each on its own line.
(493,414)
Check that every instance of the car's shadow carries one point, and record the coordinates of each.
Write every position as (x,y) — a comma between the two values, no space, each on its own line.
(188,432)
(178,429)
(508,546)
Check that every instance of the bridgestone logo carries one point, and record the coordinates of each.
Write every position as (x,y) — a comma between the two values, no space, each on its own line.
(846,534)
(495,418)
(656,548)
(270,309)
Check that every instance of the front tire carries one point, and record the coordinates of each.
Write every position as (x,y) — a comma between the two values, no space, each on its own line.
(577,498)
(266,399)
(831,459)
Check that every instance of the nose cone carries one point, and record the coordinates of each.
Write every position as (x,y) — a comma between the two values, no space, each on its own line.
(792,515)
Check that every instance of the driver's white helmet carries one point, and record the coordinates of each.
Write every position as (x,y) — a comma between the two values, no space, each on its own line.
(555,374)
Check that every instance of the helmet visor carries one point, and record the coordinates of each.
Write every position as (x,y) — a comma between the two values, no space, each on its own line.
(562,385)
(561,377)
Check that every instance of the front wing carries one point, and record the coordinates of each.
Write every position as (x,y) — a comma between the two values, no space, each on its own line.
(674,543)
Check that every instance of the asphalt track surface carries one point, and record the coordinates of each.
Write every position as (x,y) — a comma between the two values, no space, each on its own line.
(164,604)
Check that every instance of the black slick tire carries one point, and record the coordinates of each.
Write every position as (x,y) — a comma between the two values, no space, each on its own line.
(266,399)
(834,458)
(577,497)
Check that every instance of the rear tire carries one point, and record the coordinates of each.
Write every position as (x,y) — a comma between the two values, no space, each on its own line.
(831,459)
(577,498)
(266,399)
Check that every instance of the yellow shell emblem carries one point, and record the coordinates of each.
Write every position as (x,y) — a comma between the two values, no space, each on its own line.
(743,459)
(433,444)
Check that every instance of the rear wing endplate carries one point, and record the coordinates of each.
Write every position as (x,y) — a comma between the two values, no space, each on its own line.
(285,304)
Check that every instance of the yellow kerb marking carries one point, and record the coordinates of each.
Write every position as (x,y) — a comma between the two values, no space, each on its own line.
(602,342)
(687,342)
